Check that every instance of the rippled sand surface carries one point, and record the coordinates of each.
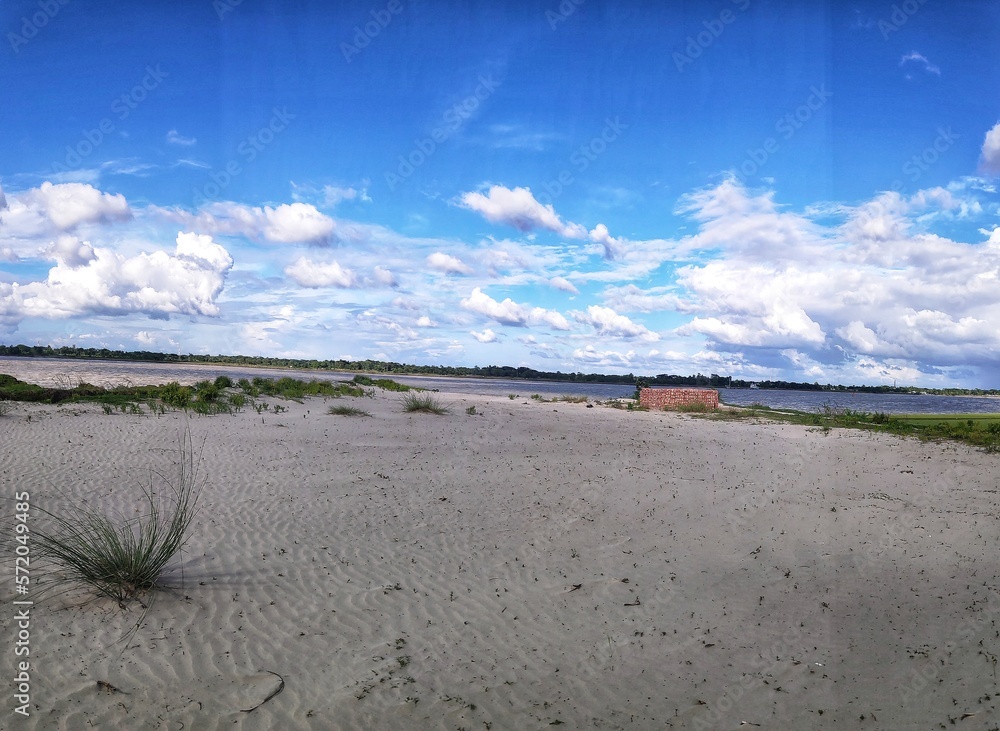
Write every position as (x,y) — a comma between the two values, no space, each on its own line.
(532,565)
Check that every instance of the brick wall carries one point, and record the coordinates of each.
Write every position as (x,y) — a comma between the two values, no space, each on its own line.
(672,398)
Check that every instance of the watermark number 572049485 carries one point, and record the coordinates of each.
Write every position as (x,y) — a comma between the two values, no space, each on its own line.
(22,605)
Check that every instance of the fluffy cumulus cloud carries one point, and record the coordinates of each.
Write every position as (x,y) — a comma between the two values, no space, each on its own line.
(606,322)
(509,312)
(308,273)
(991,151)
(71,251)
(292,223)
(385,277)
(447,263)
(60,208)
(518,208)
(486,336)
(288,223)
(101,282)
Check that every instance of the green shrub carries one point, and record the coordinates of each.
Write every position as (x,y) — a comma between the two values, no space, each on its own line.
(207,391)
(176,395)
(223,382)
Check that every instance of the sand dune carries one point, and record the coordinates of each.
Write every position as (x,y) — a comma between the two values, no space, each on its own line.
(537,564)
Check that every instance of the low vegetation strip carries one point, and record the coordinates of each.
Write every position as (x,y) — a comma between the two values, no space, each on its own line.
(978,430)
(221,395)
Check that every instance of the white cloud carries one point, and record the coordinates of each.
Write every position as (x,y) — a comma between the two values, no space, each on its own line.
(158,284)
(507,256)
(292,223)
(563,285)
(71,251)
(371,319)
(861,338)
(288,223)
(609,323)
(447,264)
(175,138)
(991,151)
(385,277)
(59,208)
(332,195)
(632,298)
(486,336)
(873,286)
(914,60)
(509,312)
(308,273)
(425,321)
(613,248)
(518,208)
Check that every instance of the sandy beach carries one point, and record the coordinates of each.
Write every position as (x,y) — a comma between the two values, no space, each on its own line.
(536,564)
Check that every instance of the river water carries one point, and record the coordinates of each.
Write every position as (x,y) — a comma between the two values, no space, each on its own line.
(69,372)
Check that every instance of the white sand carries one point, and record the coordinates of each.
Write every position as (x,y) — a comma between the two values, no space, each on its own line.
(540,562)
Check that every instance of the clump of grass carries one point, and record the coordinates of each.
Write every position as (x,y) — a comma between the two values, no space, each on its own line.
(427,404)
(121,557)
(346,411)
(572,399)
(692,408)
(471,411)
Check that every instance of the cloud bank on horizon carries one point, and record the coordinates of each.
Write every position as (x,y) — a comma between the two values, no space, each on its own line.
(595,187)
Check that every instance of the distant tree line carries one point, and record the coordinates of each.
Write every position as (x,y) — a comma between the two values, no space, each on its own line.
(492,371)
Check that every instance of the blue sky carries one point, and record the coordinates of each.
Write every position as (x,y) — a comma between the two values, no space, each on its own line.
(796,190)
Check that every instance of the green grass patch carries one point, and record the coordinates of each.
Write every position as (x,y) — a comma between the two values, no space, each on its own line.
(386,384)
(977,430)
(423,403)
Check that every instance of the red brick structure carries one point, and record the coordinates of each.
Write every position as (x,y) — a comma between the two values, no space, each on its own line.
(673,398)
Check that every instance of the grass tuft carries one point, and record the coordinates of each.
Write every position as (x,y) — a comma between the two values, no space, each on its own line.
(122,557)
(346,411)
(427,404)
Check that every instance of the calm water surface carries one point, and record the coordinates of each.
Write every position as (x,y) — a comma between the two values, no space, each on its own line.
(58,372)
